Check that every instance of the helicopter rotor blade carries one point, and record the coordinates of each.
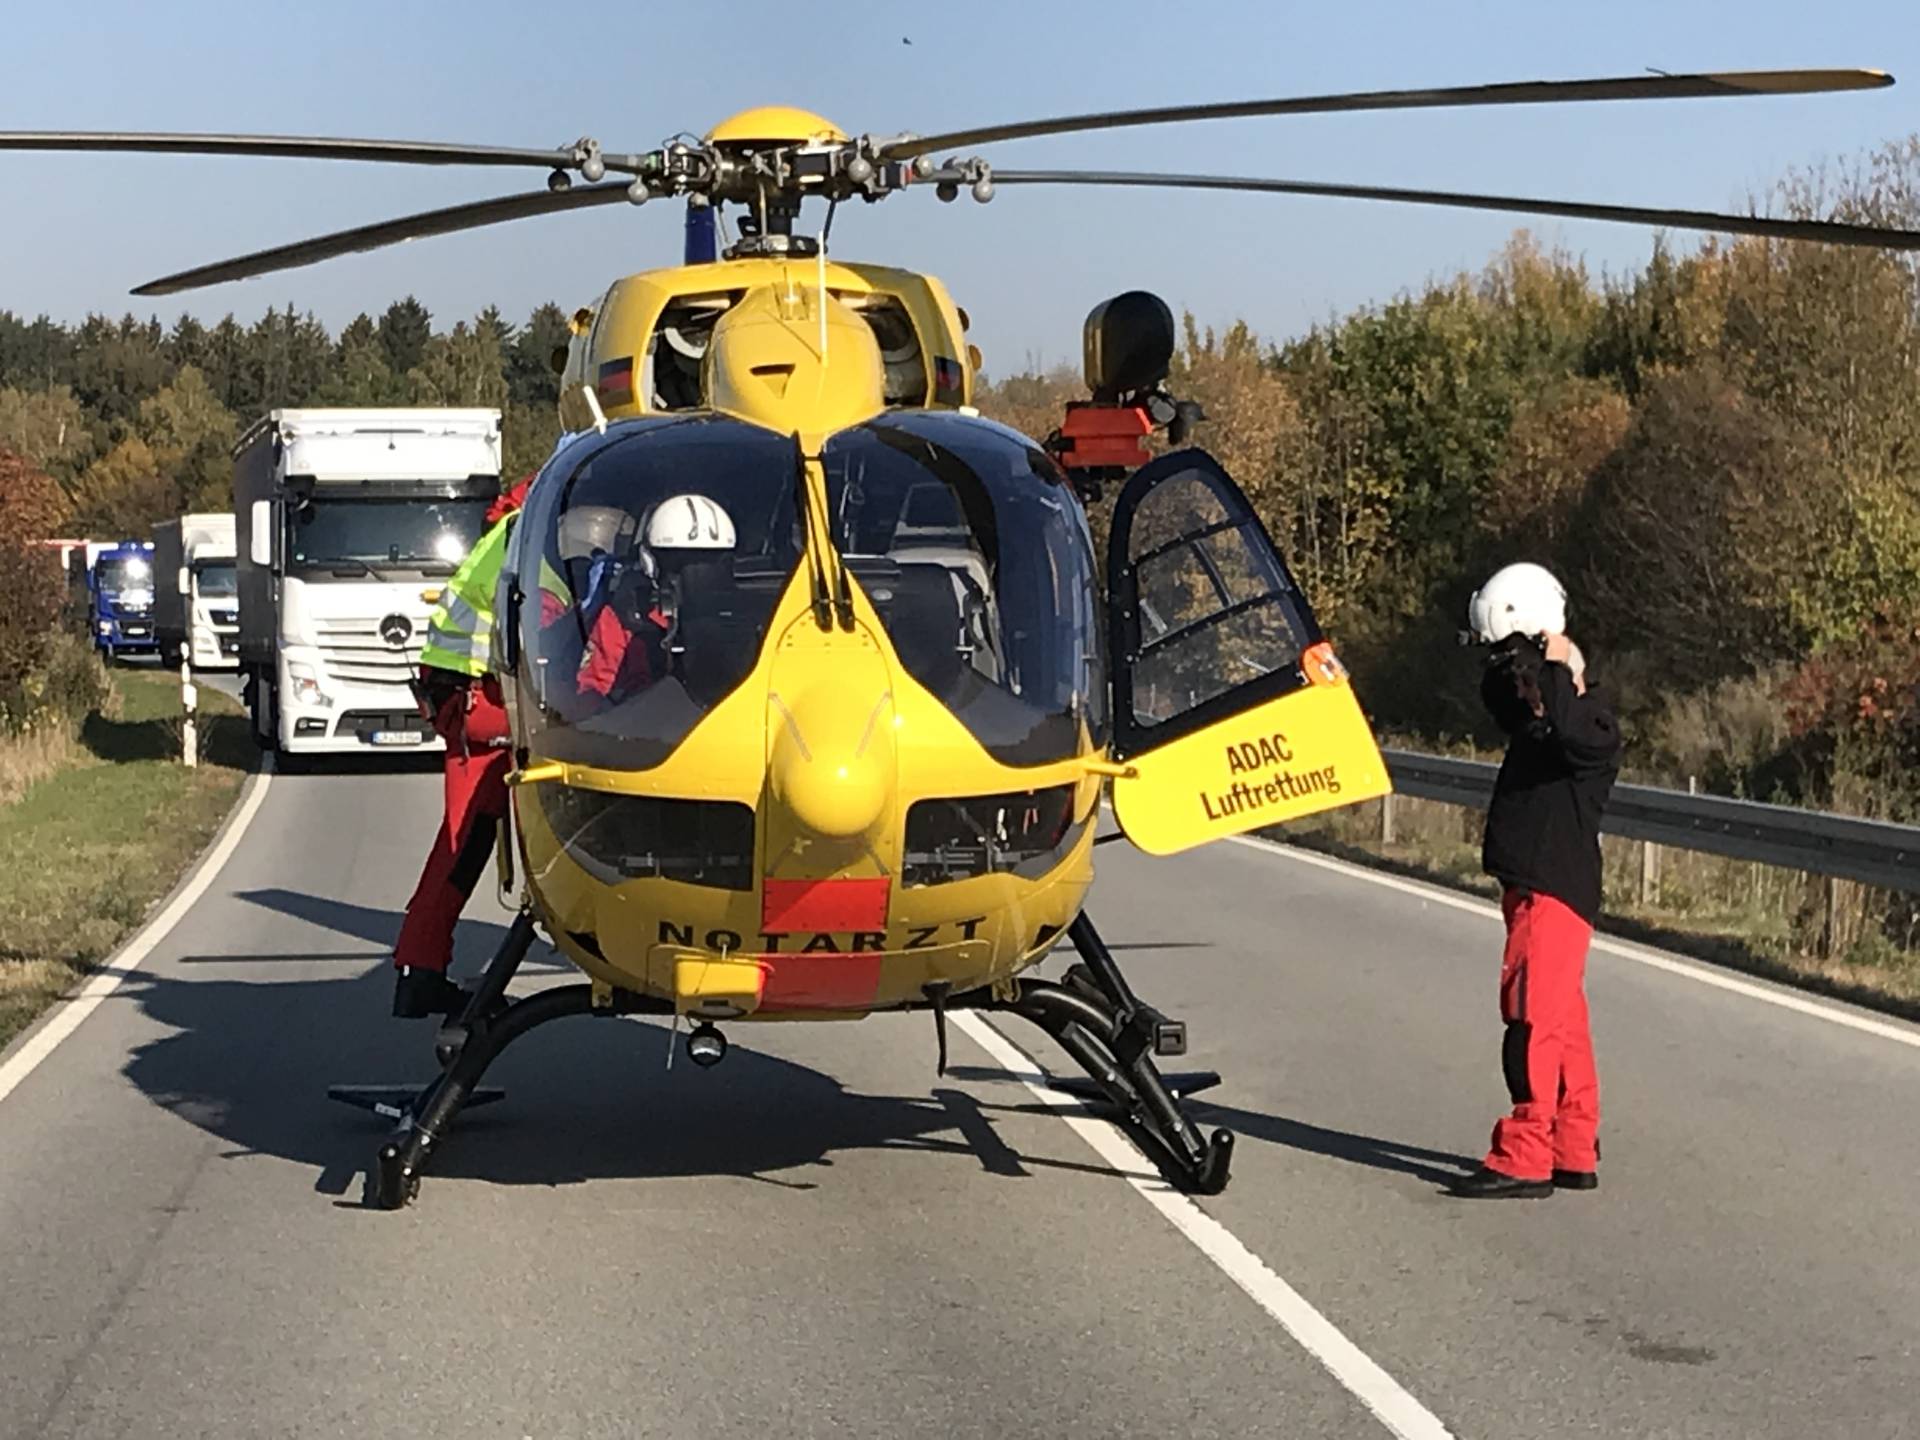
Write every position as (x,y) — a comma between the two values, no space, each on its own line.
(1529,92)
(301,147)
(447,221)
(1829,232)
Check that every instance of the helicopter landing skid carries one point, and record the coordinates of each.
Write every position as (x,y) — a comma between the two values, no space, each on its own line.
(465,1047)
(1097,1019)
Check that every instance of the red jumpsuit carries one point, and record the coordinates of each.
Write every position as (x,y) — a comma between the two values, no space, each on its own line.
(473,722)
(614,665)
(1548,1051)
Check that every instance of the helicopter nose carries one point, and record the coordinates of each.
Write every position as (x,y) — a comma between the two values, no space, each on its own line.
(832,761)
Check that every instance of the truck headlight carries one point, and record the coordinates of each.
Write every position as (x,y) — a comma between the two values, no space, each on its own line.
(106,627)
(306,686)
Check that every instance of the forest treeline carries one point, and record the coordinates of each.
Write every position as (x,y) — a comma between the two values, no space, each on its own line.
(1719,452)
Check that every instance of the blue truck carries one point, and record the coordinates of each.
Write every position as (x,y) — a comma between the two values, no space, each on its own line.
(114,582)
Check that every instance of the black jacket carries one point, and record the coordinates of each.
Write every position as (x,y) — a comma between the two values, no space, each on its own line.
(1543,827)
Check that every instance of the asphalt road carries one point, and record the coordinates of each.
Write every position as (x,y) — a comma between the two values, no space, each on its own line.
(821,1237)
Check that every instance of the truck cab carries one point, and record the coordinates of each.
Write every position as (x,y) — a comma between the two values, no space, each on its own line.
(197,602)
(120,597)
(348,523)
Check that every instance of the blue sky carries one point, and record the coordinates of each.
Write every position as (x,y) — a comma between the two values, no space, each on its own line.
(80,231)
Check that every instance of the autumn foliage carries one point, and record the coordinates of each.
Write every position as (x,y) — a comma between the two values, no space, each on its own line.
(32,587)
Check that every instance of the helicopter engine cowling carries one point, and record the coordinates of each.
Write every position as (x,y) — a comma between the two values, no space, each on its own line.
(794,359)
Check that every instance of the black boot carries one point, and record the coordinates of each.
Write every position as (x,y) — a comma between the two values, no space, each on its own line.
(419,993)
(1576,1179)
(1485,1184)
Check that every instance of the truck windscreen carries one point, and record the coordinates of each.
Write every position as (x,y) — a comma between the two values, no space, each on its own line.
(112,577)
(362,535)
(218,581)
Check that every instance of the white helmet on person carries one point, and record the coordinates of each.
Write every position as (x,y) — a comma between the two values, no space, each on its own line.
(1522,599)
(689,522)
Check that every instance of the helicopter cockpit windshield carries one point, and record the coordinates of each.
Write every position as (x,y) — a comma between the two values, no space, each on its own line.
(663,551)
(664,548)
(973,549)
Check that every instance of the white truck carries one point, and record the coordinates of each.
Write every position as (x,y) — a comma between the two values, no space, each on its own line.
(196,592)
(349,522)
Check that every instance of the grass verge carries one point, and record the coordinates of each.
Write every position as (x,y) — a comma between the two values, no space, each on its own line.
(87,849)
(1849,942)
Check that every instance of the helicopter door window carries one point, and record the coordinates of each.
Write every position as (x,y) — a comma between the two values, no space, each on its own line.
(976,556)
(1204,606)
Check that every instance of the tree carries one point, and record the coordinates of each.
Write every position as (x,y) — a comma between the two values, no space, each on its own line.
(531,378)
(32,589)
(1855,711)
(1699,533)
(404,331)
(191,436)
(490,322)
(360,373)
(34,355)
(288,357)
(225,367)
(1559,437)
(118,366)
(50,429)
(189,344)
(462,367)
(528,435)
(1253,425)
(124,493)
(1030,402)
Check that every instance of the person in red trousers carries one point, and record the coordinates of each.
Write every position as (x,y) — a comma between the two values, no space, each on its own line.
(1543,845)
(466,708)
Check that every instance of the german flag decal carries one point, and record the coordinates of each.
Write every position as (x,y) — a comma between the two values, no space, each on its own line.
(946,381)
(615,384)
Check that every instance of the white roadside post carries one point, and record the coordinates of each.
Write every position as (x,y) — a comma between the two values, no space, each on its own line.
(190,699)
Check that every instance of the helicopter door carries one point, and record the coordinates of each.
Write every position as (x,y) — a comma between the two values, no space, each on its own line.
(1230,711)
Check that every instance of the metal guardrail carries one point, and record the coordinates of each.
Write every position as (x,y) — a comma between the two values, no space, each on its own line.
(1872,852)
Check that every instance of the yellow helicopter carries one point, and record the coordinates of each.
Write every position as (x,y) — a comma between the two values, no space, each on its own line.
(844,749)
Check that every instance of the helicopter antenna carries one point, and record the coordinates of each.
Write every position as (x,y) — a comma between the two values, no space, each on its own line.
(820,263)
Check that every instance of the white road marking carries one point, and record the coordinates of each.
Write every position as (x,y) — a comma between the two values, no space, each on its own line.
(1639,954)
(1372,1386)
(40,1043)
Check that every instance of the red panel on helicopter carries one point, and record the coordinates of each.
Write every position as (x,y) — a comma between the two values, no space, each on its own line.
(820,982)
(824,905)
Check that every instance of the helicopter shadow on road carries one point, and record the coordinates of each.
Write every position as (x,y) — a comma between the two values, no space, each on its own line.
(474,942)
(1440,1167)
(250,1061)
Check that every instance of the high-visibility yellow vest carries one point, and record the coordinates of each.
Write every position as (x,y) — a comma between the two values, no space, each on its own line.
(460,632)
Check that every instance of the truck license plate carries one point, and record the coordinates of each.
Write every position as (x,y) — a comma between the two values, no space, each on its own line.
(395,737)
